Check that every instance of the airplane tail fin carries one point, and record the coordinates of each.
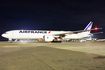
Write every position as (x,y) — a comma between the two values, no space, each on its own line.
(89,26)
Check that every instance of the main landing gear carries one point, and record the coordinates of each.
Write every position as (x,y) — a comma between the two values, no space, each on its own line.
(56,40)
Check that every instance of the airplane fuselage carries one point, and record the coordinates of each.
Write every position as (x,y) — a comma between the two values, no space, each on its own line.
(37,34)
(48,35)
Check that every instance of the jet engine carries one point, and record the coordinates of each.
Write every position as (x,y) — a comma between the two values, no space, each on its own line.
(48,38)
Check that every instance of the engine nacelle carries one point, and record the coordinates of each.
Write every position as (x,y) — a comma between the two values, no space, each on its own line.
(48,38)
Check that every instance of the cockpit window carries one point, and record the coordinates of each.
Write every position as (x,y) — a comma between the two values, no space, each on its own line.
(5,33)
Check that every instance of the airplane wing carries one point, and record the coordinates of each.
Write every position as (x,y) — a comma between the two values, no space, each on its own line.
(87,29)
(63,34)
(75,32)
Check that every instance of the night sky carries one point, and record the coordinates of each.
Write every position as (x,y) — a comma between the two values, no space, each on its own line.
(70,15)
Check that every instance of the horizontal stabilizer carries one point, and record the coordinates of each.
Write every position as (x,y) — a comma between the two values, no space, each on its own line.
(97,33)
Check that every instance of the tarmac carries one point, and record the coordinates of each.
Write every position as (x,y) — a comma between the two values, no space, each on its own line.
(52,56)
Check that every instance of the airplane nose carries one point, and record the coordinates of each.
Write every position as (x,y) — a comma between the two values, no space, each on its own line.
(3,35)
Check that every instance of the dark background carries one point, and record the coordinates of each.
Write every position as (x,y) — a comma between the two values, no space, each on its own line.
(70,15)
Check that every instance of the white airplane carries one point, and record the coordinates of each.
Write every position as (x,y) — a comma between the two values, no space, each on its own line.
(50,35)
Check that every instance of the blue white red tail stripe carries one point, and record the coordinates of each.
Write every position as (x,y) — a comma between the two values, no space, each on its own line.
(89,26)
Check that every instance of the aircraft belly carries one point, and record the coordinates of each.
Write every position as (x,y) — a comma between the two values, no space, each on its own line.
(73,37)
